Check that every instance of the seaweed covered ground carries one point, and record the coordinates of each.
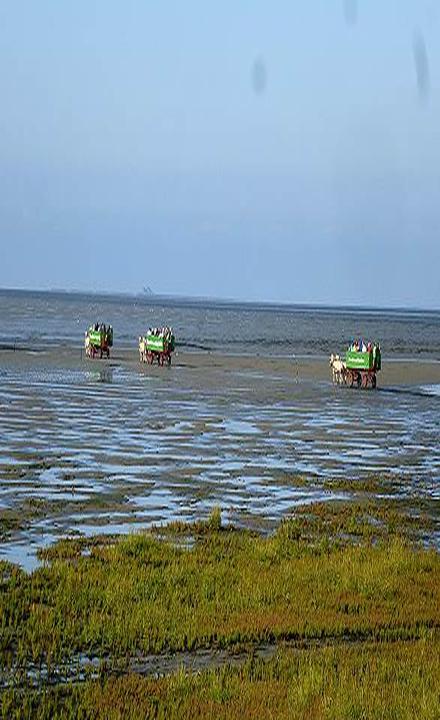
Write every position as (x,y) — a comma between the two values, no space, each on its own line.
(334,615)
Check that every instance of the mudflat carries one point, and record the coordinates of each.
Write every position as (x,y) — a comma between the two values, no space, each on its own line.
(93,446)
(395,371)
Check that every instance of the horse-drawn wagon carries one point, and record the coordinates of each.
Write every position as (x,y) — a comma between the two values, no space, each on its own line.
(98,340)
(359,368)
(158,344)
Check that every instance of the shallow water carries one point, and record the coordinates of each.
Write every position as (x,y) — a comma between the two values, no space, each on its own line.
(39,319)
(164,444)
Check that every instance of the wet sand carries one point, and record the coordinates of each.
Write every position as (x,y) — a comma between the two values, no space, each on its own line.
(395,371)
(106,446)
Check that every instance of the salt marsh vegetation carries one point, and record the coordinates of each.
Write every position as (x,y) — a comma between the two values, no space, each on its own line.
(348,600)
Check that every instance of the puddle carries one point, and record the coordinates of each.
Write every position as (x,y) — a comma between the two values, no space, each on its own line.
(432,390)
(21,553)
(83,667)
(240,427)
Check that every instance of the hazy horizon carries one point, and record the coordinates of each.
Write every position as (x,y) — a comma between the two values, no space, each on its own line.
(210,299)
(282,155)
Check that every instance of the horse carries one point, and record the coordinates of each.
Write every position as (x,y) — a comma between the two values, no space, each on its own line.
(338,369)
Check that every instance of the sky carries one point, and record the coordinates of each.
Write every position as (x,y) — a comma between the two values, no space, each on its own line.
(285,151)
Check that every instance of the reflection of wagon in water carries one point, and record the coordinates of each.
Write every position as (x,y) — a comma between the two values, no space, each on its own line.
(360,366)
(98,340)
(157,344)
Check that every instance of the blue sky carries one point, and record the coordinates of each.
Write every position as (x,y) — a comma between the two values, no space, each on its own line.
(285,151)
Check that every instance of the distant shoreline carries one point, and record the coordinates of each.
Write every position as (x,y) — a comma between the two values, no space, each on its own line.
(166,299)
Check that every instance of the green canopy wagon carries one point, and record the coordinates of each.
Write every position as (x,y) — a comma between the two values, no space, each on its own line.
(362,367)
(157,344)
(98,340)
(359,368)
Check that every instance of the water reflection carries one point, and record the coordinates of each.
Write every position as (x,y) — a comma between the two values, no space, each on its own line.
(100,375)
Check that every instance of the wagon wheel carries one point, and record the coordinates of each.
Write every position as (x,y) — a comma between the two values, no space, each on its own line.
(349,378)
(365,380)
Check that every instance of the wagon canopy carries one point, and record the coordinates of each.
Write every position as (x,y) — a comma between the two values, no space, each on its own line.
(363,360)
(159,340)
(101,337)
